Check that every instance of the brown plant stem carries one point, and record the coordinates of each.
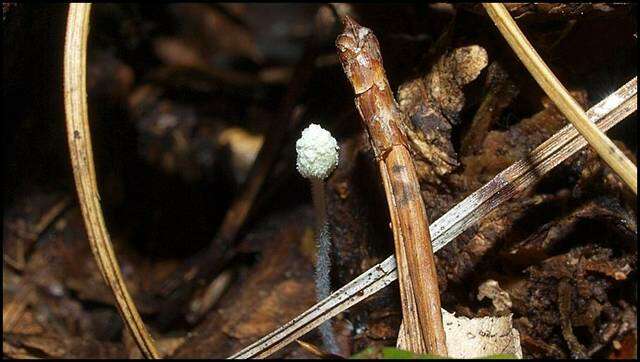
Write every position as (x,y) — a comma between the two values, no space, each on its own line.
(78,135)
(359,53)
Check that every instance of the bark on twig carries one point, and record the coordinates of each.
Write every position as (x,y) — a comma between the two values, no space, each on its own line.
(362,62)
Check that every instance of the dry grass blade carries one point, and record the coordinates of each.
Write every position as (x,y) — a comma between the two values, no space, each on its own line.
(522,174)
(78,134)
(609,152)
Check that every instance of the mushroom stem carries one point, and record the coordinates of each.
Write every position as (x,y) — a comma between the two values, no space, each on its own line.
(317,157)
(319,203)
(323,261)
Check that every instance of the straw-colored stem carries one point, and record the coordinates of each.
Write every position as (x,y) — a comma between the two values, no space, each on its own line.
(607,150)
(78,135)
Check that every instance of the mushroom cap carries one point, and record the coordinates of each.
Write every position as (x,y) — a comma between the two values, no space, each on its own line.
(317,153)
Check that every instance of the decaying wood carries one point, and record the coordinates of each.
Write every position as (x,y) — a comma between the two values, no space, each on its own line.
(573,290)
(609,152)
(362,62)
(516,178)
(78,134)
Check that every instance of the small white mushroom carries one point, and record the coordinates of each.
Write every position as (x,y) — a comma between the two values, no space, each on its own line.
(317,158)
(317,153)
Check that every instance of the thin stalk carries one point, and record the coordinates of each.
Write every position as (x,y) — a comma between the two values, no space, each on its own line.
(319,203)
(323,260)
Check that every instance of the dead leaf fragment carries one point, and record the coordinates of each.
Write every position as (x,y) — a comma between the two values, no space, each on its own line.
(480,337)
(433,104)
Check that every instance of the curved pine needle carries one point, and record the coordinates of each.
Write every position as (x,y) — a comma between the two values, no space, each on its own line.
(605,148)
(78,135)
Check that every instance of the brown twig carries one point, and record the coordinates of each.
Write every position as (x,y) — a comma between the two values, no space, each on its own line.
(359,53)
(605,148)
(516,178)
(78,135)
